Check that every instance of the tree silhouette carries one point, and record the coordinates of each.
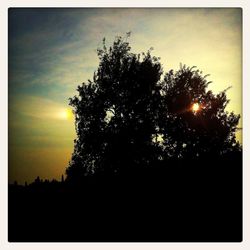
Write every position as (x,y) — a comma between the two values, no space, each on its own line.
(127,117)
(116,113)
(195,122)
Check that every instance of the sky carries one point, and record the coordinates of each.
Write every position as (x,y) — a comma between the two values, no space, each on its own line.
(52,51)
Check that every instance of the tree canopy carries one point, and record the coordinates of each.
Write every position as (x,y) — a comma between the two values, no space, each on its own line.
(131,115)
(194,132)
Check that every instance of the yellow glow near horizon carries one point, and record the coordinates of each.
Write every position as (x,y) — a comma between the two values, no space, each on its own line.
(66,114)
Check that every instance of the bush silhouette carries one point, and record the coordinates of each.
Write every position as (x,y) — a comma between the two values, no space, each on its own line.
(128,117)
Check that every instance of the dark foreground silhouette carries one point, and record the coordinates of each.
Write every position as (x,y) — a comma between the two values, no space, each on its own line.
(180,201)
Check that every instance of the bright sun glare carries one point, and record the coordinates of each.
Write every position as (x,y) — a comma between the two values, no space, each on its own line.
(66,114)
(195,107)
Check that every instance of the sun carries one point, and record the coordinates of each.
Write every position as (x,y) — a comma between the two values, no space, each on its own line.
(66,114)
(195,107)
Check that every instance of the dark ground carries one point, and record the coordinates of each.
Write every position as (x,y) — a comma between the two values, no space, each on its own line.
(184,201)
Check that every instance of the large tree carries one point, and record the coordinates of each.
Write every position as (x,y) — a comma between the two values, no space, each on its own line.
(117,112)
(129,117)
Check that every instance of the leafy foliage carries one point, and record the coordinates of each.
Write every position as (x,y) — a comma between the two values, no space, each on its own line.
(116,113)
(188,133)
(129,117)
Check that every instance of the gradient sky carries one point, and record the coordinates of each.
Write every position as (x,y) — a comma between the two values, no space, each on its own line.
(51,51)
